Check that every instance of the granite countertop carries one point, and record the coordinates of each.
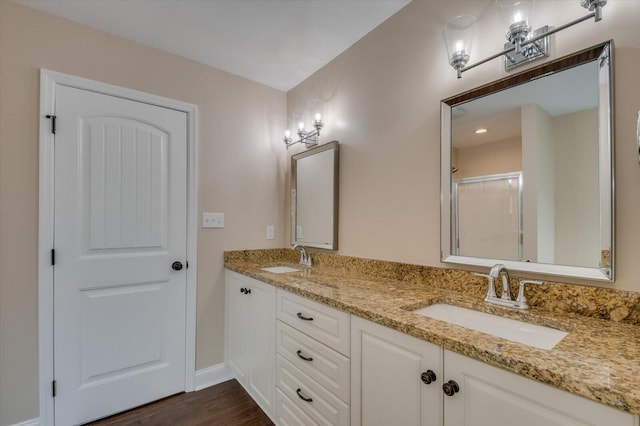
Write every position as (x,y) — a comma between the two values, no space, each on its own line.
(599,359)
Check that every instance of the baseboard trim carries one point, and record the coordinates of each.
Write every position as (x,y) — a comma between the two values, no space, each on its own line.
(32,422)
(212,376)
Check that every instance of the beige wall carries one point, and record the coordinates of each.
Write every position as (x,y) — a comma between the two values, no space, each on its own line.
(241,166)
(577,205)
(488,159)
(538,185)
(382,103)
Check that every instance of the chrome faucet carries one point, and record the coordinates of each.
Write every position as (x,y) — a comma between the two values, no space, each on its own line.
(305,256)
(499,270)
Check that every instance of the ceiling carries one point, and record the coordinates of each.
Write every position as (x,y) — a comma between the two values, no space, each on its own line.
(278,43)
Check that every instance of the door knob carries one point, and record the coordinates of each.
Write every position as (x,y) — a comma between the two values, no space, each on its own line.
(176,266)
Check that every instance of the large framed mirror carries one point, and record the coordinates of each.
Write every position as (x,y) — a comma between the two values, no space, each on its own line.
(527,170)
(314,197)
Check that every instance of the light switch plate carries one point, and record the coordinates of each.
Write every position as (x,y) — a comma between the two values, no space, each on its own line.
(212,220)
(270,232)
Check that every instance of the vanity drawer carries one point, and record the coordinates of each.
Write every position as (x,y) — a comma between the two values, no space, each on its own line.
(289,414)
(321,363)
(322,406)
(327,325)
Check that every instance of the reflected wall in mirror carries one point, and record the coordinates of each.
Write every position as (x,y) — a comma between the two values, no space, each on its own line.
(314,197)
(527,176)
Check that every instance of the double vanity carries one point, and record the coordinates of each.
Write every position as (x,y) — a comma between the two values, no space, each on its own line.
(357,341)
(336,340)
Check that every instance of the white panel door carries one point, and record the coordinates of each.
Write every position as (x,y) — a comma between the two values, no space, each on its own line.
(120,223)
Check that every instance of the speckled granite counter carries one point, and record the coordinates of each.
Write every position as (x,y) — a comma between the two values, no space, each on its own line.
(598,359)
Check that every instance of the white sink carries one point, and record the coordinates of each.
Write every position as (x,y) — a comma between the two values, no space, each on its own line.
(280,269)
(514,330)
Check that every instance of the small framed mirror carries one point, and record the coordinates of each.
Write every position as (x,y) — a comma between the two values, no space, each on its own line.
(314,197)
(527,170)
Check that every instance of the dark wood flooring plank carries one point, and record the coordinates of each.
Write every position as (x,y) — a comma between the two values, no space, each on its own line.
(225,404)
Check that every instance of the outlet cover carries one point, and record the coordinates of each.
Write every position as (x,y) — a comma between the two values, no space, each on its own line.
(212,220)
(271,232)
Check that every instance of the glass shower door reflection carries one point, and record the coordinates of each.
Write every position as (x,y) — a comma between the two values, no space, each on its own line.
(487,214)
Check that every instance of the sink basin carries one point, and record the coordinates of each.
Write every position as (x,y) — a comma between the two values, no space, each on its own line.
(514,330)
(280,269)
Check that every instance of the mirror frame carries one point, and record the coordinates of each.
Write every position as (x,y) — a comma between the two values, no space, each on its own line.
(335,146)
(604,50)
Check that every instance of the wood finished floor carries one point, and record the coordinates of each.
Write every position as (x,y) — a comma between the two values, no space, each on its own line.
(225,404)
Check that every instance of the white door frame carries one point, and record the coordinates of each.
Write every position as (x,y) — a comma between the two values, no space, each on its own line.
(49,80)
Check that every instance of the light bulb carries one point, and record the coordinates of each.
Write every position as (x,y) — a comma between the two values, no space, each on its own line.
(318,117)
(517,17)
(287,134)
(459,46)
(301,125)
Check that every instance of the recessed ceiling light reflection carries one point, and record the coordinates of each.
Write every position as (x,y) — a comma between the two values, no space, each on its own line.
(481,131)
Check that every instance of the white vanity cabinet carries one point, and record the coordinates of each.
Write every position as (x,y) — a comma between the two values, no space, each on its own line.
(493,396)
(387,388)
(313,365)
(250,320)
(386,377)
(306,363)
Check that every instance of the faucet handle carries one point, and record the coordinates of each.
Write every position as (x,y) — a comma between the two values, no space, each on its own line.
(522,299)
(491,291)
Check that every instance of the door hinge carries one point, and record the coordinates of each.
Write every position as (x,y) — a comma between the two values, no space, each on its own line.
(53,257)
(53,122)
(53,388)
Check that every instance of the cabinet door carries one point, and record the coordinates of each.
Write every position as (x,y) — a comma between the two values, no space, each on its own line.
(261,347)
(236,320)
(250,336)
(386,385)
(492,396)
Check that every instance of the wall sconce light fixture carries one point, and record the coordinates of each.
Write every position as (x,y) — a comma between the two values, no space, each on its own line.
(310,138)
(523,45)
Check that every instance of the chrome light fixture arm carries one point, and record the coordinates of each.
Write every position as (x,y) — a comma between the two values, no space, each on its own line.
(520,37)
(309,139)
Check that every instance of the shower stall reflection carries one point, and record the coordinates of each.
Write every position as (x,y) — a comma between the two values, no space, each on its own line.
(487,216)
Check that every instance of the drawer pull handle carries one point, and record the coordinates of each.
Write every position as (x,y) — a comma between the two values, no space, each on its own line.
(302,397)
(299,353)
(302,317)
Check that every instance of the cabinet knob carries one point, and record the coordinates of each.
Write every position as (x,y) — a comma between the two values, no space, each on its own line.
(450,388)
(247,291)
(428,377)
(242,290)
(176,266)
